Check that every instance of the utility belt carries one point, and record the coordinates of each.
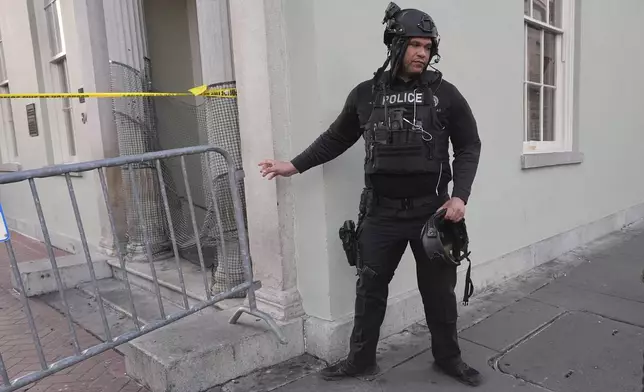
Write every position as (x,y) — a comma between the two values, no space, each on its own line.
(350,231)
(369,199)
(406,203)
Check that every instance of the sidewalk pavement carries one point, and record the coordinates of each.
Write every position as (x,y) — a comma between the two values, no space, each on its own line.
(575,324)
(572,325)
(102,373)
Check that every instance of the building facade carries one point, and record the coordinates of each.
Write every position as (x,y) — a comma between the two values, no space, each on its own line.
(555,89)
(559,159)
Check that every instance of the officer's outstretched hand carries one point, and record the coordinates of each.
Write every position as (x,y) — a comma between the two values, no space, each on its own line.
(273,168)
(455,209)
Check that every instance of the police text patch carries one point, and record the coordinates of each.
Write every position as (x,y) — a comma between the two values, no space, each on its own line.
(408,97)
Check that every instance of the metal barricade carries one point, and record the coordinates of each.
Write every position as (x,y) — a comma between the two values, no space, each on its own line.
(127,163)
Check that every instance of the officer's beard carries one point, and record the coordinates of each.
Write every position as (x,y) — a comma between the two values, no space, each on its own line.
(406,74)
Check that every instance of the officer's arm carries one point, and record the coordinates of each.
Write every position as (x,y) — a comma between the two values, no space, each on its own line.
(466,144)
(342,134)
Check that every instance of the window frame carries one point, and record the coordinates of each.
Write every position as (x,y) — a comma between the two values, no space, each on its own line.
(9,153)
(564,79)
(63,133)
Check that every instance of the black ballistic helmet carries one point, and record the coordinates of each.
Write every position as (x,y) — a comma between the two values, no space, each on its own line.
(409,23)
(447,242)
(401,26)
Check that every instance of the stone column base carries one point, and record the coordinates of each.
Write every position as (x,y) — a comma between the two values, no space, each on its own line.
(281,305)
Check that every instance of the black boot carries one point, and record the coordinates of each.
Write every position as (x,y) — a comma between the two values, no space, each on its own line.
(344,369)
(460,371)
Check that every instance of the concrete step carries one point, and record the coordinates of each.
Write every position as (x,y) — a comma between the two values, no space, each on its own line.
(204,350)
(140,274)
(195,353)
(85,313)
(114,293)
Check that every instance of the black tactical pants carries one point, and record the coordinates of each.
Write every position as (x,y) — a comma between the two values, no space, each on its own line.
(383,237)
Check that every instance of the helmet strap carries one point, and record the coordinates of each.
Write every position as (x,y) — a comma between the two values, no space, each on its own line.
(460,252)
(398,55)
(377,78)
(469,285)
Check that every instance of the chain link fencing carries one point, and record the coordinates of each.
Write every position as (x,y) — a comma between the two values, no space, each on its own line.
(148,124)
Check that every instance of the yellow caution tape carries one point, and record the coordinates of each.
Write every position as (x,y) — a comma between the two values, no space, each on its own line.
(201,91)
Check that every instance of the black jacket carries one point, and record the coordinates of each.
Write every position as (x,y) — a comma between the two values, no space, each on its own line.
(453,112)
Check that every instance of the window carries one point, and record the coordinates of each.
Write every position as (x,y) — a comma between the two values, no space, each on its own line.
(8,144)
(547,86)
(60,77)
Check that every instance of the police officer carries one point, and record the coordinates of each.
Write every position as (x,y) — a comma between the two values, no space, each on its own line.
(407,115)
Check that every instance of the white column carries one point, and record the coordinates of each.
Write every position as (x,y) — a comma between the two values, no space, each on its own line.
(92,40)
(135,123)
(127,39)
(221,129)
(215,41)
(262,82)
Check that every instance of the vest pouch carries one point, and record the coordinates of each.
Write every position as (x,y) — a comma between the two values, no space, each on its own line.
(400,159)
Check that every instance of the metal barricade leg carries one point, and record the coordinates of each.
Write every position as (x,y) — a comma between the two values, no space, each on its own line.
(173,238)
(248,269)
(110,215)
(88,257)
(54,264)
(264,316)
(193,219)
(148,248)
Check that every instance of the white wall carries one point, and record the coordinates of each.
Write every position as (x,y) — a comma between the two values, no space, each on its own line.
(333,45)
(26,58)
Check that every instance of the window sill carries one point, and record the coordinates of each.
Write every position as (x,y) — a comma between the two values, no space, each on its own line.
(10,167)
(536,160)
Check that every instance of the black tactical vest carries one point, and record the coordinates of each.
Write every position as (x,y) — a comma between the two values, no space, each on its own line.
(403,134)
